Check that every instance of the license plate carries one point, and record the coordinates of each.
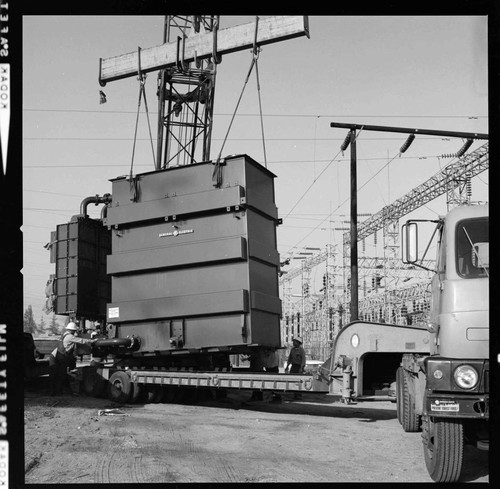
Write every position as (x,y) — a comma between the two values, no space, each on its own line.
(444,406)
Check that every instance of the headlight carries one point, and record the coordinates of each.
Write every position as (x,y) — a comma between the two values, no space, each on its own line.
(466,377)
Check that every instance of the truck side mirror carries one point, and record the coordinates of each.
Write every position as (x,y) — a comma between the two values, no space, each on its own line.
(409,242)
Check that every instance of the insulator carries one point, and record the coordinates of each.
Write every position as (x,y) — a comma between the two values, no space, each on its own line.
(346,142)
(468,187)
(464,148)
(407,143)
(196,23)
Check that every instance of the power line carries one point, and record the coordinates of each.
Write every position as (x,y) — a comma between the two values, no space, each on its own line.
(213,139)
(272,115)
(383,158)
(39,264)
(47,192)
(34,226)
(57,212)
(346,200)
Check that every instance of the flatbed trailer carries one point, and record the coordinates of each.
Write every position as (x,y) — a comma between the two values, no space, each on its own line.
(127,384)
(363,365)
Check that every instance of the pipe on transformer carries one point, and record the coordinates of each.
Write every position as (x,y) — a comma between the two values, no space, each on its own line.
(104,212)
(130,342)
(95,199)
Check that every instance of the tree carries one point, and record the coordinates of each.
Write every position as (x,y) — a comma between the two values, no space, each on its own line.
(54,326)
(29,323)
(41,325)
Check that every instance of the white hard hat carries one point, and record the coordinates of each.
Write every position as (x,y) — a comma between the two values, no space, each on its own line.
(298,338)
(72,326)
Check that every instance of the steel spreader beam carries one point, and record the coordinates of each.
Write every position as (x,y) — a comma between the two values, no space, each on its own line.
(237,38)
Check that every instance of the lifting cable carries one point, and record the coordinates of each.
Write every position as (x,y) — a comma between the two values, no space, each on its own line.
(256,51)
(217,174)
(343,147)
(142,93)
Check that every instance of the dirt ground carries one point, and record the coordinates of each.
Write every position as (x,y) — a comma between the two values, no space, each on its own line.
(318,439)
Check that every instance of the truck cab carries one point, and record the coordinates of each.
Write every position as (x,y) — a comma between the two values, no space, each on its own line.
(446,394)
(459,322)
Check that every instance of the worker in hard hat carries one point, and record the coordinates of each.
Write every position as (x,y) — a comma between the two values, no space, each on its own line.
(297,359)
(63,358)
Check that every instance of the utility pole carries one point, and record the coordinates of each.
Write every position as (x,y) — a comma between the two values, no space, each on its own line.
(354,230)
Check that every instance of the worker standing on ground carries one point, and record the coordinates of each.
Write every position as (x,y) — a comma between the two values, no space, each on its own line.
(63,358)
(297,359)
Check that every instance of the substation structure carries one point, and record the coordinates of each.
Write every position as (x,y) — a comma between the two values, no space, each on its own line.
(316,295)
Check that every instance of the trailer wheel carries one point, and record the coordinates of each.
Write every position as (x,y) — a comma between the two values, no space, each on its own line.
(92,383)
(443,448)
(410,421)
(120,387)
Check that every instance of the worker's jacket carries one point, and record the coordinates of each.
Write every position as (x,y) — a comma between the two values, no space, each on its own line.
(67,344)
(297,356)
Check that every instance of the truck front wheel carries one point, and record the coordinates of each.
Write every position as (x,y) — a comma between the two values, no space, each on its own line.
(399,394)
(443,448)
(409,419)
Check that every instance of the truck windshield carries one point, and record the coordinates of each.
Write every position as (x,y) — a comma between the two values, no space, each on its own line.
(473,248)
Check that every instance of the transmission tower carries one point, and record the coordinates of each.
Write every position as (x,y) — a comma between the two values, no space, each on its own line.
(404,295)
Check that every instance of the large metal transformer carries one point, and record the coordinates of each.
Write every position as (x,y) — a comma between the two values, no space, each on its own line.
(79,249)
(194,262)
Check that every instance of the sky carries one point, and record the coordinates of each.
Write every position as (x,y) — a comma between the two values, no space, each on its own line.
(400,71)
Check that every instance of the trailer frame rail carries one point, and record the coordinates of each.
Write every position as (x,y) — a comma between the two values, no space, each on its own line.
(233,380)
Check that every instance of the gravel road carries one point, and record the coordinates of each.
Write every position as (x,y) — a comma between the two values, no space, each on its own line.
(318,439)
